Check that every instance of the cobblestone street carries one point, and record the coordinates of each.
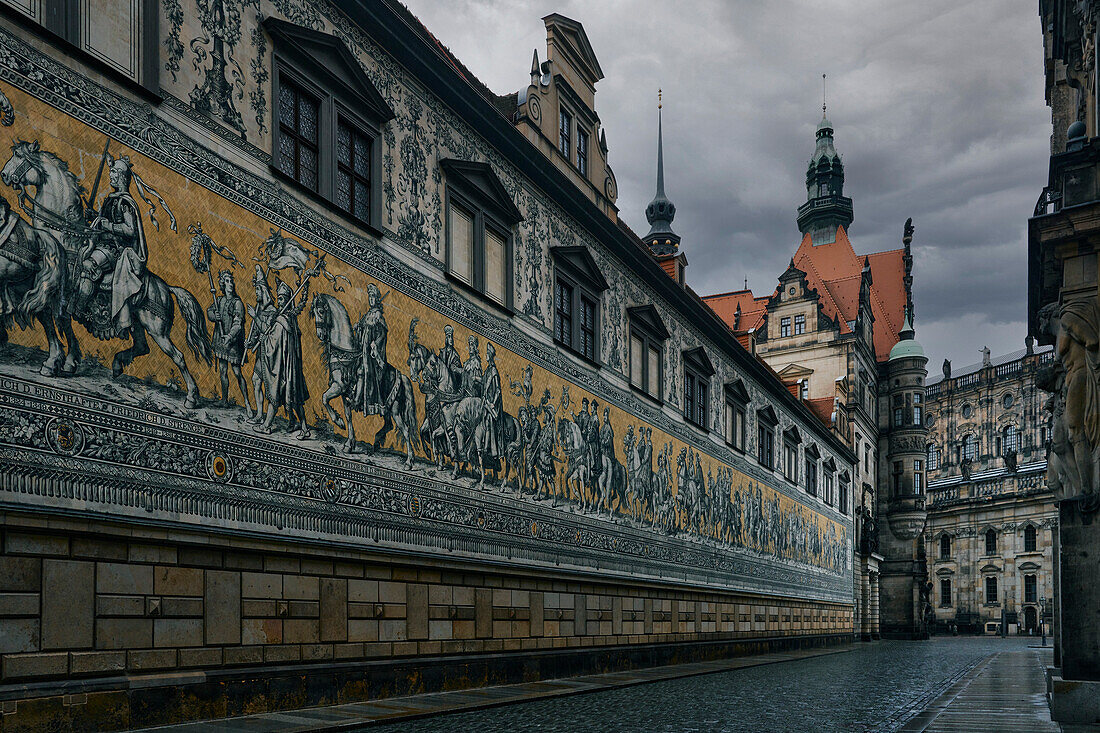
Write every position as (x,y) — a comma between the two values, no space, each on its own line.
(874,687)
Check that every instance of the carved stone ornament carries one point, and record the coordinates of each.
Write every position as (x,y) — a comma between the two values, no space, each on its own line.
(1075,402)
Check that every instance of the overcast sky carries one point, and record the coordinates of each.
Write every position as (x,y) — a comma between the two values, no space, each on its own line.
(938,109)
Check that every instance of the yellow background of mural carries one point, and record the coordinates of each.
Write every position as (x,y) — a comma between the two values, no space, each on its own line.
(242,232)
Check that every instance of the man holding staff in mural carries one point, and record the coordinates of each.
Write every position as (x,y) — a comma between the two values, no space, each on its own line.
(227,313)
(286,385)
(607,457)
(471,370)
(262,315)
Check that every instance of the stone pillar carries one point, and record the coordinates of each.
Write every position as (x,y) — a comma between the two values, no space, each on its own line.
(1056,600)
(865,604)
(874,607)
(1075,695)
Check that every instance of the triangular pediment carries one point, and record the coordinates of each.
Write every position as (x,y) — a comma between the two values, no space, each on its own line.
(792,273)
(580,263)
(792,435)
(698,359)
(793,372)
(767,415)
(480,181)
(736,390)
(328,59)
(648,317)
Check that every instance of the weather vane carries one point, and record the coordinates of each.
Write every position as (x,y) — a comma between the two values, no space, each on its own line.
(822,95)
(658,99)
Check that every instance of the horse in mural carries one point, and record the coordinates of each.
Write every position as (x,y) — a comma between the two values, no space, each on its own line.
(438,384)
(57,206)
(37,259)
(577,471)
(342,353)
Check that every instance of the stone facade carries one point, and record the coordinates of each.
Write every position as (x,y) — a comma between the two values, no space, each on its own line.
(206,506)
(1064,312)
(829,330)
(986,465)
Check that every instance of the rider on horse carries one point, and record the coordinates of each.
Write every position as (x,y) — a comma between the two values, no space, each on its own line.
(118,246)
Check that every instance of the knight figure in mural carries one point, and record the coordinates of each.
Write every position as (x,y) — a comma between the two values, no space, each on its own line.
(227,313)
(607,459)
(372,333)
(286,384)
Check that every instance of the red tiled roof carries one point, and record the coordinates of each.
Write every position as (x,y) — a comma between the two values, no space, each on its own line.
(823,408)
(834,269)
(752,308)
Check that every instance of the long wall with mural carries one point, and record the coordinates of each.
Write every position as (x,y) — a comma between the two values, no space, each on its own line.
(193,348)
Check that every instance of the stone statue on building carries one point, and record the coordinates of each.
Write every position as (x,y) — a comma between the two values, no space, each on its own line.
(987,361)
(1010,461)
(1075,329)
(947,369)
(966,466)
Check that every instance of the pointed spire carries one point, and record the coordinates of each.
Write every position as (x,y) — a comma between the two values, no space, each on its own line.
(907,333)
(826,206)
(822,96)
(661,239)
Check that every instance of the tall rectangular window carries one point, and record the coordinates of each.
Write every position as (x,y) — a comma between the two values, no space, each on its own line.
(353,150)
(945,547)
(735,424)
(582,152)
(842,499)
(563,314)
(811,476)
(299,120)
(918,476)
(785,326)
(565,126)
(991,590)
(1031,589)
(495,267)
(695,398)
(588,329)
(637,361)
(945,592)
(765,443)
(1030,538)
(916,409)
(799,325)
(462,244)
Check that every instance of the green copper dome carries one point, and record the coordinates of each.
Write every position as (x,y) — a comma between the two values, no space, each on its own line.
(907,347)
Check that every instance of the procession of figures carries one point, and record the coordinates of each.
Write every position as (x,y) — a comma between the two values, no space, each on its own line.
(78,258)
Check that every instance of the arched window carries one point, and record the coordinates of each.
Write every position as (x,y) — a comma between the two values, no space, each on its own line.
(970,448)
(1010,439)
(990,542)
(933,457)
(1030,537)
(991,589)
(945,546)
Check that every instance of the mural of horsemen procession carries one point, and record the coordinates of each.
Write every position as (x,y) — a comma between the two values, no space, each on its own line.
(257,331)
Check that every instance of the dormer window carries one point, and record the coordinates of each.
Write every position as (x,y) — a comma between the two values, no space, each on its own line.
(327,121)
(737,399)
(765,437)
(578,288)
(647,343)
(480,217)
(697,373)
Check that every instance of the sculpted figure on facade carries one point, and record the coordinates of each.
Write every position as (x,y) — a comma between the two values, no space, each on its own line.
(1074,327)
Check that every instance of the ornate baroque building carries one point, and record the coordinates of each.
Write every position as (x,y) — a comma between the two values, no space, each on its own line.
(1064,312)
(317,352)
(991,515)
(838,330)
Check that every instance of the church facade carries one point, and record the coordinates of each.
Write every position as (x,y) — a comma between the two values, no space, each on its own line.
(991,513)
(319,353)
(838,331)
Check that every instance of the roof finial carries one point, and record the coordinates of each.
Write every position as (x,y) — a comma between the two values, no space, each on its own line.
(746,288)
(658,99)
(823,96)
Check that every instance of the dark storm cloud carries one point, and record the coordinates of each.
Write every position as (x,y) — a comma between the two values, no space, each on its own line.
(938,109)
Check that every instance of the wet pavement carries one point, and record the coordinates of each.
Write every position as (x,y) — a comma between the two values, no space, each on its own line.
(946,684)
(874,687)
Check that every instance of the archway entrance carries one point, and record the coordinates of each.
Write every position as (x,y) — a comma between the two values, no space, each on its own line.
(1031,619)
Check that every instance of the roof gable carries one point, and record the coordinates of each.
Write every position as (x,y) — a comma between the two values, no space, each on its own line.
(481,181)
(329,58)
(574,41)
